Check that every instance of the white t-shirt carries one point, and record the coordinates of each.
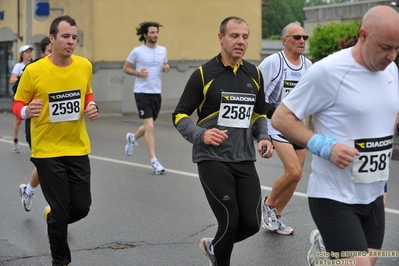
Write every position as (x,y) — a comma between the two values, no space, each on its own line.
(280,76)
(152,59)
(17,69)
(350,103)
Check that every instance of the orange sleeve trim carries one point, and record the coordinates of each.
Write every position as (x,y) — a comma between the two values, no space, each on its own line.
(16,108)
(89,98)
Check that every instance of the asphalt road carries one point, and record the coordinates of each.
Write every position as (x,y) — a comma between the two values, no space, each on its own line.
(142,219)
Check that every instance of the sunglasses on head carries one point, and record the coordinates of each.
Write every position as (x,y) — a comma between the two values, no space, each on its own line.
(298,37)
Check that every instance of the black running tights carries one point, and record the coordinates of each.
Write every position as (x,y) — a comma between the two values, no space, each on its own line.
(233,192)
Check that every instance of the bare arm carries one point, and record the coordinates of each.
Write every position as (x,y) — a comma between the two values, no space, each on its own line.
(290,126)
(130,70)
(13,78)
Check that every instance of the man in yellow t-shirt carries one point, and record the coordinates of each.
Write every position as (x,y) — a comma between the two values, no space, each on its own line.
(56,93)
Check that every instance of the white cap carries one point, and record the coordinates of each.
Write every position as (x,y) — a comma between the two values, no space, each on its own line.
(24,48)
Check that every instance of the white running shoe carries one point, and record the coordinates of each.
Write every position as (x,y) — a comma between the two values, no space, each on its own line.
(205,246)
(130,144)
(269,218)
(283,229)
(25,199)
(317,248)
(158,168)
(15,148)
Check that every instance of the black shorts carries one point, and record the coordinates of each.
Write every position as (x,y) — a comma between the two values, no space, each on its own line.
(282,139)
(349,227)
(148,105)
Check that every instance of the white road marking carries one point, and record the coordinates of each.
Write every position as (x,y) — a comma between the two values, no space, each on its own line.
(298,194)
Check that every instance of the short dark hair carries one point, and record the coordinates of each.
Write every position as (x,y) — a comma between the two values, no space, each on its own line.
(347,42)
(43,44)
(56,22)
(143,29)
(222,28)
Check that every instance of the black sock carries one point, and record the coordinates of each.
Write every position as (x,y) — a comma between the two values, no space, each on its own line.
(15,140)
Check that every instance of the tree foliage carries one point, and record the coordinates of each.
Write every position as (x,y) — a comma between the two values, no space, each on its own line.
(327,2)
(324,40)
(315,2)
(278,14)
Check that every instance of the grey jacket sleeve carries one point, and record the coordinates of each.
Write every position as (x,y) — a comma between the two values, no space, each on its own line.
(259,129)
(191,132)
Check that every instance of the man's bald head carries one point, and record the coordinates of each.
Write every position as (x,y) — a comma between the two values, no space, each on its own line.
(380,18)
(378,42)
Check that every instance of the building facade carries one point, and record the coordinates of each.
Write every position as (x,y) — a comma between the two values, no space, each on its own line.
(325,14)
(107,34)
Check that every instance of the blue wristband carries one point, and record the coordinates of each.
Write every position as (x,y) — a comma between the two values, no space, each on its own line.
(321,146)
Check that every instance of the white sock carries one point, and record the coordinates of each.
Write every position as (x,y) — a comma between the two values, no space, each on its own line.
(29,190)
(153,160)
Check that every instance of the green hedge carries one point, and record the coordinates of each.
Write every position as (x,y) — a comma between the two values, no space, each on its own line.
(324,40)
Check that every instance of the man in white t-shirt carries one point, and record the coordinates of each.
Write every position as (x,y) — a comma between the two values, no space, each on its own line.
(354,100)
(281,72)
(147,62)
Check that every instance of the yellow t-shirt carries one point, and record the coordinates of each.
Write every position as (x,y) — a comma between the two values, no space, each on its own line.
(60,130)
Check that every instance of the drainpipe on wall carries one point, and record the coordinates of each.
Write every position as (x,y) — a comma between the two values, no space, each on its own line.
(18,21)
(29,22)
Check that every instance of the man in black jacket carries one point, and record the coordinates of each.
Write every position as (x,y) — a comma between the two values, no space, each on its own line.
(228,94)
